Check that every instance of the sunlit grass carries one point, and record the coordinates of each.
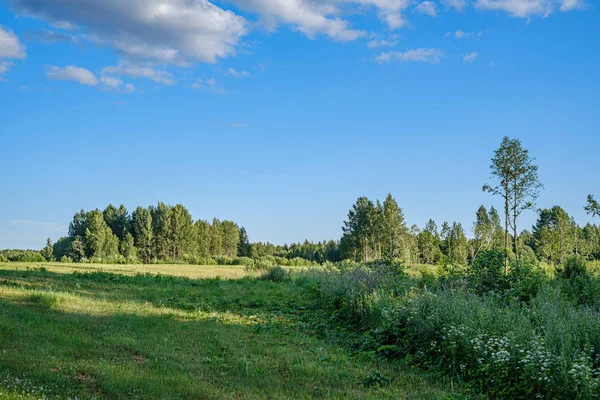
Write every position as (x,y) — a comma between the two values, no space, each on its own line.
(187,270)
(106,335)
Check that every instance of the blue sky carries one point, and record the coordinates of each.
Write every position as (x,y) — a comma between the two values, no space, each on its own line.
(278,114)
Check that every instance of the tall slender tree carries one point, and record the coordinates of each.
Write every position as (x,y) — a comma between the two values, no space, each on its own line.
(482,230)
(244,246)
(517,183)
(394,228)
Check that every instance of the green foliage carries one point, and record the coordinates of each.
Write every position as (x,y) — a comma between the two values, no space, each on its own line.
(486,272)
(47,252)
(375,378)
(22,255)
(592,207)
(110,336)
(275,274)
(548,348)
(244,246)
(246,261)
(573,267)
(66,259)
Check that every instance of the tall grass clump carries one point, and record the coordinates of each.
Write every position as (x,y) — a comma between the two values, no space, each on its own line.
(518,335)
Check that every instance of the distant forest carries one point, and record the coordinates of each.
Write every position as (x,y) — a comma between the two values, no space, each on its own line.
(373,230)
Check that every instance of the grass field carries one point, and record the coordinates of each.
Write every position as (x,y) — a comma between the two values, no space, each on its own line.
(187,270)
(98,331)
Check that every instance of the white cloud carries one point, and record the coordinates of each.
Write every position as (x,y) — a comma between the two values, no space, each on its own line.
(529,8)
(427,8)
(389,11)
(459,34)
(10,46)
(73,73)
(456,4)
(375,43)
(469,58)
(111,81)
(422,55)
(210,85)
(4,67)
(47,37)
(568,5)
(140,71)
(167,31)
(236,74)
(312,18)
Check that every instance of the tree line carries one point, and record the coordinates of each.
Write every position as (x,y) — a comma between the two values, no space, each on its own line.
(153,234)
(373,230)
(377,230)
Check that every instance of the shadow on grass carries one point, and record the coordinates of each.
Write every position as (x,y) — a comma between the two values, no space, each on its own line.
(54,333)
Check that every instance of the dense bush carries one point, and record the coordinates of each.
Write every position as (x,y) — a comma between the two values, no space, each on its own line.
(523,337)
(275,274)
(245,261)
(486,272)
(22,255)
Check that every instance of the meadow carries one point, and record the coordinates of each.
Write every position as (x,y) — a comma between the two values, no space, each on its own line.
(84,331)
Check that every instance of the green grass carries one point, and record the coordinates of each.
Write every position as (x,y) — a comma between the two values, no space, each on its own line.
(112,335)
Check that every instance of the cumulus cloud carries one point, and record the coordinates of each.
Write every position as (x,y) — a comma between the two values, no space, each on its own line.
(140,71)
(529,8)
(10,46)
(459,34)
(469,58)
(73,73)
(312,18)
(111,81)
(237,74)
(173,31)
(432,56)
(427,8)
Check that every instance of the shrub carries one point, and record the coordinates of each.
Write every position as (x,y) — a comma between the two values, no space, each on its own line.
(525,280)
(300,262)
(280,261)
(246,261)
(547,349)
(3,258)
(65,259)
(275,274)
(223,260)
(486,272)
(572,267)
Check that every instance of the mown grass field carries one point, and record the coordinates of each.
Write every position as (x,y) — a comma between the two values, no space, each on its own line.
(187,270)
(103,332)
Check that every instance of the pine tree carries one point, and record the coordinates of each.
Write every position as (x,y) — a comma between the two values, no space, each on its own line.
(244,246)
(48,250)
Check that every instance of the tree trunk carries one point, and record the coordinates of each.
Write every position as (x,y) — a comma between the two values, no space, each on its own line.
(516,238)
(506,212)
(561,244)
